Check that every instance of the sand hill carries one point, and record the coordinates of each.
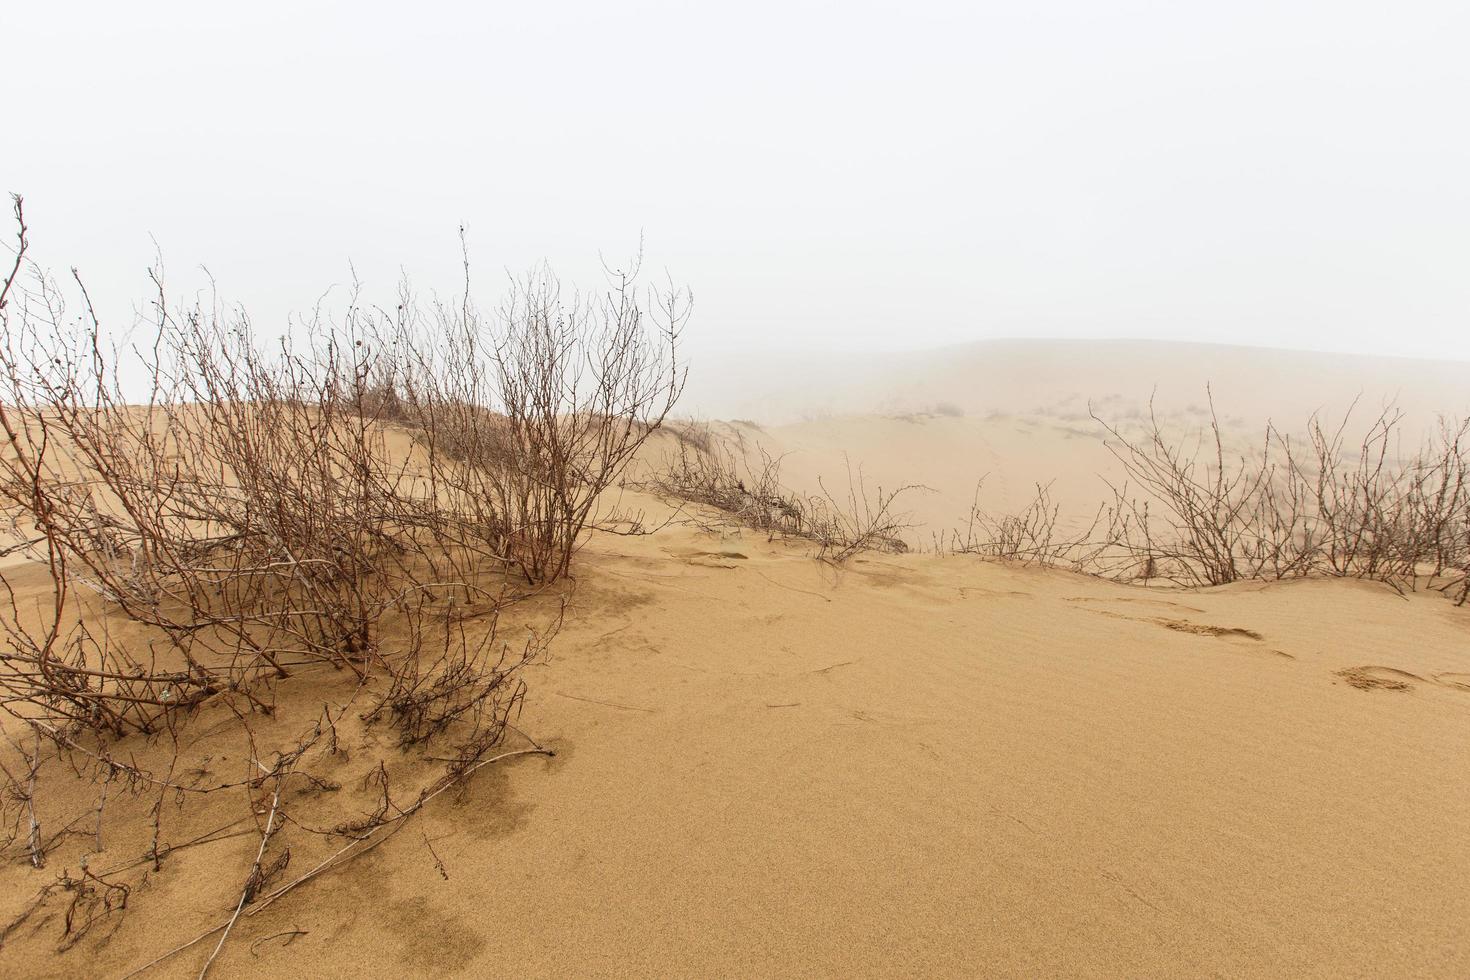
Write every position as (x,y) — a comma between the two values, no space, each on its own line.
(1057,379)
(914,764)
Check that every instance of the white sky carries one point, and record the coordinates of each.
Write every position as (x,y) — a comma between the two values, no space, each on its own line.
(851,175)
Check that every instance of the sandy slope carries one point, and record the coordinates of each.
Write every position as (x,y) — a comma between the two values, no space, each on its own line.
(953,463)
(918,766)
(934,766)
(1019,412)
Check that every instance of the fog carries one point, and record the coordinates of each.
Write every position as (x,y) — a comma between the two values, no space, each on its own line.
(824,176)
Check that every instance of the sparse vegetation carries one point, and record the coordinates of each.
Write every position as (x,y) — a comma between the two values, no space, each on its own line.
(530,415)
(744,485)
(379,504)
(861,520)
(1192,511)
(343,555)
(1032,536)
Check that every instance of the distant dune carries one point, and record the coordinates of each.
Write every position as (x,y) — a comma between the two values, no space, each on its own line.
(904,765)
(1017,412)
(915,765)
(1060,377)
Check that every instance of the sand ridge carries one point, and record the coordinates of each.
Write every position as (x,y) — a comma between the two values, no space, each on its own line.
(912,764)
(864,772)
(927,766)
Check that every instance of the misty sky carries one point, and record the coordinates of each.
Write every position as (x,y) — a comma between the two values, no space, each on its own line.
(851,175)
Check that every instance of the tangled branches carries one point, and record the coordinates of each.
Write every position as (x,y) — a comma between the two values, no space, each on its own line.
(208,515)
(1343,500)
(746,489)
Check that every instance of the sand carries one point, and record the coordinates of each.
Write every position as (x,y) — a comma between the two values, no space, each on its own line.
(1017,413)
(944,767)
(915,765)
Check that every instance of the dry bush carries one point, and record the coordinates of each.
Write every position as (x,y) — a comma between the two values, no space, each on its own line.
(252,514)
(1194,512)
(700,438)
(1439,499)
(1035,535)
(1204,516)
(533,413)
(1319,506)
(88,900)
(247,513)
(745,486)
(449,678)
(860,520)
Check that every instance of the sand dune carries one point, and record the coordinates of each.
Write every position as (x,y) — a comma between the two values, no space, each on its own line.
(939,767)
(1058,378)
(915,765)
(953,462)
(1016,413)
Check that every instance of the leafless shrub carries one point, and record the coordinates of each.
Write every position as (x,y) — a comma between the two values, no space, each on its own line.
(85,901)
(18,800)
(1205,515)
(537,410)
(472,683)
(861,520)
(696,436)
(1375,511)
(1032,536)
(1192,511)
(745,486)
(1439,498)
(247,513)
(251,513)
(250,518)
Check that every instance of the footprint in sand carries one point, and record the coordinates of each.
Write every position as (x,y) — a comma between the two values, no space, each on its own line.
(1186,626)
(724,558)
(1374,678)
(1460,682)
(1199,629)
(966,591)
(1150,602)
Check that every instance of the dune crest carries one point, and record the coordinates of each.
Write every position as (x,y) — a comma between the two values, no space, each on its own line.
(760,731)
(921,764)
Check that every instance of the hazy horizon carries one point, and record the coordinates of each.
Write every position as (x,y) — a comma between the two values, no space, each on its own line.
(998,339)
(1023,530)
(855,177)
